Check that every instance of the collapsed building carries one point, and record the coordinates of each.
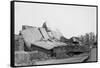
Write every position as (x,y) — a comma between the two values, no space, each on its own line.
(39,43)
(42,39)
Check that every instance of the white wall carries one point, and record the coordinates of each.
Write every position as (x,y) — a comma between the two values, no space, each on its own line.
(5,34)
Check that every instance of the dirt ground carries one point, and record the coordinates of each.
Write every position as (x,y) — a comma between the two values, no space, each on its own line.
(79,58)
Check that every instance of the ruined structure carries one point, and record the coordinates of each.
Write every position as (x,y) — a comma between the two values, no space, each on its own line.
(41,38)
(42,43)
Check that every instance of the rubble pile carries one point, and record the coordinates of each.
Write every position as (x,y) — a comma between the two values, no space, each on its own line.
(39,43)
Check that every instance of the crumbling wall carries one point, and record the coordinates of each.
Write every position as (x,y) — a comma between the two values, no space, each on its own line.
(19,43)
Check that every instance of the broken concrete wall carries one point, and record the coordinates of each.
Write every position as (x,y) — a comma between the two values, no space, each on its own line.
(60,52)
(29,58)
(31,35)
(19,43)
(44,33)
(21,58)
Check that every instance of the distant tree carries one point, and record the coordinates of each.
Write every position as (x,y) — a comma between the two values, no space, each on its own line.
(88,39)
(91,38)
(82,39)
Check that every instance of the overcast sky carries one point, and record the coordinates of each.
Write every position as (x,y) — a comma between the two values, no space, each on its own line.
(70,20)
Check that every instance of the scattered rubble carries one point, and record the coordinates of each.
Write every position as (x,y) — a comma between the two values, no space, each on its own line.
(42,43)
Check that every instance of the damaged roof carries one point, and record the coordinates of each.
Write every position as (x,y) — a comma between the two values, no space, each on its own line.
(39,37)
